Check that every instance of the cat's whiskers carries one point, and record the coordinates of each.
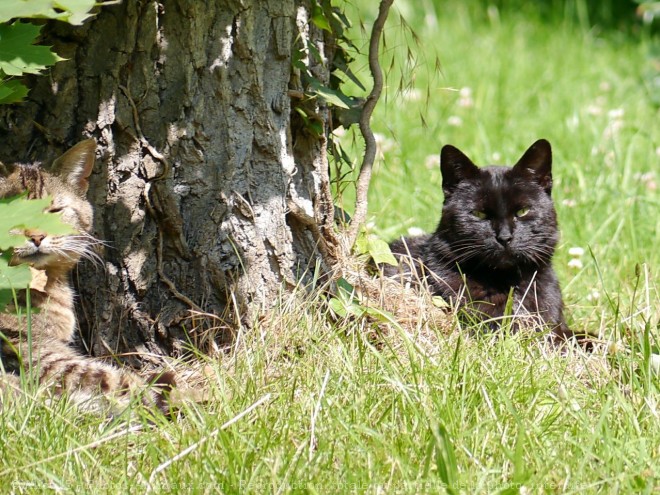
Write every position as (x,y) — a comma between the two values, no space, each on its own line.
(79,246)
(537,254)
(465,250)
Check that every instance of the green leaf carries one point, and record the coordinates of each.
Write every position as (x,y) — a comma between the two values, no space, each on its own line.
(319,19)
(380,251)
(19,213)
(332,96)
(341,62)
(313,125)
(18,55)
(12,92)
(78,10)
(375,247)
(13,9)
(338,307)
(382,316)
(439,302)
(12,279)
(71,11)
(345,287)
(362,243)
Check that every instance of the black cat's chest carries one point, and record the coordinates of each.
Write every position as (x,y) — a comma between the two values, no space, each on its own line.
(534,300)
(497,291)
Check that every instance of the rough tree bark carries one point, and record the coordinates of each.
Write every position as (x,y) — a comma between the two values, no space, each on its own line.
(206,185)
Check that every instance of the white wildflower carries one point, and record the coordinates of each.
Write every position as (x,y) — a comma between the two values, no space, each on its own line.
(594,295)
(575,263)
(616,113)
(594,110)
(465,92)
(576,251)
(648,180)
(573,122)
(432,161)
(411,94)
(383,144)
(465,98)
(415,231)
(615,124)
(610,158)
(496,156)
(612,129)
(455,121)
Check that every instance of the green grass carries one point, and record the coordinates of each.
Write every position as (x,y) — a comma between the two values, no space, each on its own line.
(418,410)
(581,90)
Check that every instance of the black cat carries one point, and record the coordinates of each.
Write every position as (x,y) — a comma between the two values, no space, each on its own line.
(492,250)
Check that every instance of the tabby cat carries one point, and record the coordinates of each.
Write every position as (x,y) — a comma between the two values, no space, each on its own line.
(491,253)
(51,359)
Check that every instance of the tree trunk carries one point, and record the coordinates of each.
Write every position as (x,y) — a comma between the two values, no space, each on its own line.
(210,191)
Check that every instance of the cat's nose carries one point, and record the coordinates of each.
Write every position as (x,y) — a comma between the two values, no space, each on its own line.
(504,237)
(36,237)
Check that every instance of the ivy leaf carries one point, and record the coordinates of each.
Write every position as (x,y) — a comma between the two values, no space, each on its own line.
(350,116)
(319,19)
(18,55)
(312,124)
(332,96)
(12,92)
(19,213)
(341,62)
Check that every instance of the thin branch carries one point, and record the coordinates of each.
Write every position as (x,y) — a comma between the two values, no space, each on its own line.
(365,129)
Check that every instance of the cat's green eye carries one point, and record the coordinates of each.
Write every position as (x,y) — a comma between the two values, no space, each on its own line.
(522,212)
(479,214)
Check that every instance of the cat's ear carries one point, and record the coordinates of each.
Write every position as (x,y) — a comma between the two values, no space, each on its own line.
(537,162)
(75,165)
(455,167)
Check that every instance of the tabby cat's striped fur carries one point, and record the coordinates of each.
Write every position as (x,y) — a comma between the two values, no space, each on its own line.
(50,357)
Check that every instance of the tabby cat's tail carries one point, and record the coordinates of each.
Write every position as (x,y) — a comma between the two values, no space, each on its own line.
(89,383)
